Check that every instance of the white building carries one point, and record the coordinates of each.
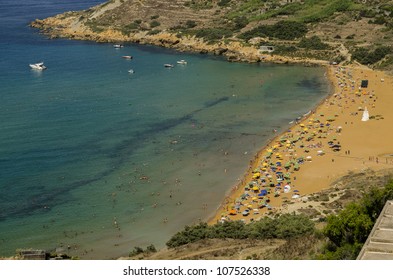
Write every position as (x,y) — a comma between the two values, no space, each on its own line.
(268,49)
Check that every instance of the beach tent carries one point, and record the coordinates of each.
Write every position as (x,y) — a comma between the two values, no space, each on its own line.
(365,116)
(246,212)
(364,84)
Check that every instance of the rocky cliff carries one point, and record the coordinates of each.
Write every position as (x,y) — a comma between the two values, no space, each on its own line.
(311,31)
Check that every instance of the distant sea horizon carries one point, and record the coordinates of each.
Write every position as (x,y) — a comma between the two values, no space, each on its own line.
(95,161)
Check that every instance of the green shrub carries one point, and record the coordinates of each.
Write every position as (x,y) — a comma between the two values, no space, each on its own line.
(367,13)
(236,230)
(313,43)
(93,25)
(289,226)
(240,22)
(328,10)
(352,226)
(212,34)
(348,230)
(285,226)
(363,56)
(199,4)
(380,20)
(224,3)
(375,200)
(290,9)
(346,252)
(190,24)
(188,235)
(284,30)
(285,49)
(153,32)
(154,23)
(151,248)
(136,251)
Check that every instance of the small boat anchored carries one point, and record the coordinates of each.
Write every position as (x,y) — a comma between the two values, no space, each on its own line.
(183,62)
(38,66)
(167,65)
(118,46)
(131,71)
(127,56)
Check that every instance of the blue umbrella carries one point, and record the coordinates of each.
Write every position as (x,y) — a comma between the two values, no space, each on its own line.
(263,192)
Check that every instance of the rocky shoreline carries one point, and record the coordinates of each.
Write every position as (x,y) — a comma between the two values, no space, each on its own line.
(68,26)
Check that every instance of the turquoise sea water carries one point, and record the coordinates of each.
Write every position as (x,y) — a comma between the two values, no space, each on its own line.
(95,158)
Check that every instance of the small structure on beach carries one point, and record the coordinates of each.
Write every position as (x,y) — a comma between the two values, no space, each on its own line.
(365,116)
(364,84)
(268,49)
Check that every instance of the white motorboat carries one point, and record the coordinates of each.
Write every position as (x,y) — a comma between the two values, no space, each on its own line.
(38,66)
(118,46)
(127,56)
(167,65)
(131,71)
(182,62)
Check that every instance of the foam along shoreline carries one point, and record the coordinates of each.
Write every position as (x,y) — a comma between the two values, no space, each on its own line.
(323,146)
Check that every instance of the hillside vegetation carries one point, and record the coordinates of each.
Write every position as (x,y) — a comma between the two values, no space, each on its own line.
(338,236)
(335,30)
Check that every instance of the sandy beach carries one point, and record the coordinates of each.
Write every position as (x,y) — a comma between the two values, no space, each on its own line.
(322,146)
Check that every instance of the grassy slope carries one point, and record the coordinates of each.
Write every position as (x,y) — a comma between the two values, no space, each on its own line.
(346,23)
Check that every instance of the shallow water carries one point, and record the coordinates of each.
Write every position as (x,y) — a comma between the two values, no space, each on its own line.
(95,158)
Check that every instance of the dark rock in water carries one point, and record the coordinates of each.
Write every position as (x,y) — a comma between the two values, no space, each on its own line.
(233,58)
(220,51)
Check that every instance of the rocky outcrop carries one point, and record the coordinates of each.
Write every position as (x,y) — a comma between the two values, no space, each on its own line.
(234,51)
(68,27)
